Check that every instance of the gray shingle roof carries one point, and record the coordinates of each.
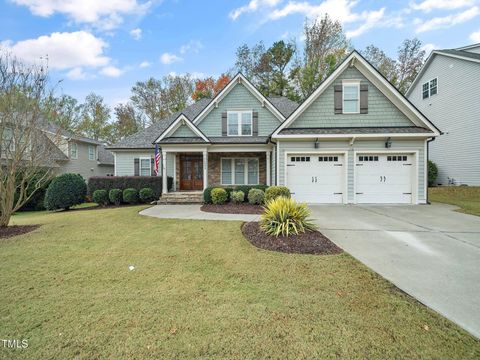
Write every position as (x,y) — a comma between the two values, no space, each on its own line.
(463,53)
(105,157)
(144,138)
(283,104)
(357,130)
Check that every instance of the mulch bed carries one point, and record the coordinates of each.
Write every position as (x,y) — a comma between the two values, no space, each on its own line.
(231,208)
(310,242)
(15,230)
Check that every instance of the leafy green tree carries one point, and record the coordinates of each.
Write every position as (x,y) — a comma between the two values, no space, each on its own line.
(95,118)
(129,120)
(64,111)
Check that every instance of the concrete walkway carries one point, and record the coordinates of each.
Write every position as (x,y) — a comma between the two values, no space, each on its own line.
(192,212)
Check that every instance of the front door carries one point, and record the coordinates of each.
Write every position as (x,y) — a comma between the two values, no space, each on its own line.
(191,172)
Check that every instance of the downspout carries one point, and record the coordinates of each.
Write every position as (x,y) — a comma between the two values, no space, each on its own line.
(428,158)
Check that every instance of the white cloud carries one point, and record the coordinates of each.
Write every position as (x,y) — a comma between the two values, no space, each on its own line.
(340,10)
(428,48)
(430,5)
(76,74)
(447,21)
(168,58)
(102,14)
(65,50)
(252,6)
(111,71)
(145,64)
(193,46)
(475,36)
(136,33)
(372,19)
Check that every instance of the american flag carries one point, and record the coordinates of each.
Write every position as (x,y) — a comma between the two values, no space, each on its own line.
(157,160)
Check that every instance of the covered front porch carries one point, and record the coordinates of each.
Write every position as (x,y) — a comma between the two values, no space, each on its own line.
(195,168)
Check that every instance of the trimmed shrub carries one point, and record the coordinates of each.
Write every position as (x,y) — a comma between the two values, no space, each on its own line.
(246,189)
(115,196)
(274,192)
(100,197)
(432,173)
(37,200)
(237,196)
(219,196)
(284,216)
(130,196)
(256,196)
(207,195)
(125,182)
(146,195)
(65,191)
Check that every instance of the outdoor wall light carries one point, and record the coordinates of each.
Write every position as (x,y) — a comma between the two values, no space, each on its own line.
(316,144)
(388,143)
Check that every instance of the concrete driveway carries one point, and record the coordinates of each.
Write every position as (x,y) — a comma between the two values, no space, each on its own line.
(429,251)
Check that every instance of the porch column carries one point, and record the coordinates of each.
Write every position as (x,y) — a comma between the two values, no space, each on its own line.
(205,169)
(164,173)
(268,168)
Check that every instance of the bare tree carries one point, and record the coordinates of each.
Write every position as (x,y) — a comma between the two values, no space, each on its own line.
(27,147)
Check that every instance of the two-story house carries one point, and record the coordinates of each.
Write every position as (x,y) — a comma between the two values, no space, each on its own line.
(446,90)
(355,139)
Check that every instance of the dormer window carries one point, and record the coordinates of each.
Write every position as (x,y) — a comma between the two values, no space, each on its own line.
(351,97)
(239,123)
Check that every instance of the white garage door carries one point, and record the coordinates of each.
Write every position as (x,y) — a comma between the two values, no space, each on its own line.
(382,178)
(316,178)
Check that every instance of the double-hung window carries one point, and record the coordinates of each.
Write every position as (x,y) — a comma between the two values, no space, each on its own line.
(91,152)
(145,164)
(239,171)
(429,88)
(239,123)
(8,139)
(73,151)
(351,97)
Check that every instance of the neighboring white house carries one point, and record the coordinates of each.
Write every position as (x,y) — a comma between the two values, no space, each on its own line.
(447,91)
(356,139)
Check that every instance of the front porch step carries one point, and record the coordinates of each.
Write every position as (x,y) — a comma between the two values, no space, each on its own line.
(181,198)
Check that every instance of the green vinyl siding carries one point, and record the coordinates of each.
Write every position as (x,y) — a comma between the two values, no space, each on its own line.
(284,147)
(239,98)
(381,112)
(183,131)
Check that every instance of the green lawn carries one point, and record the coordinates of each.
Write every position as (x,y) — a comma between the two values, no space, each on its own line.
(199,290)
(465,197)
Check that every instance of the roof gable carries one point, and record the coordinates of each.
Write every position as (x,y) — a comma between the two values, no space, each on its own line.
(182,120)
(239,79)
(183,131)
(381,111)
(377,80)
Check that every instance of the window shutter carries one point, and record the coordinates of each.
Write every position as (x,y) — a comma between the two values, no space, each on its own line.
(136,167)
(364,99)
(152,165)
(338,99)
(224,124)
(255,124)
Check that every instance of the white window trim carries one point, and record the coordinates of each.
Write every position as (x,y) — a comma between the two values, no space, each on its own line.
(76,151)
(239,114)
(350,83)
(245,173)
(428,83)
(94,152)
(140,166)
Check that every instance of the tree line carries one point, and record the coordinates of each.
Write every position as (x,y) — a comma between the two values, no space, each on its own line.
(282,69)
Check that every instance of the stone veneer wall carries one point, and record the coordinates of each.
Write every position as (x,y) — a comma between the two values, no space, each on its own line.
(214,165)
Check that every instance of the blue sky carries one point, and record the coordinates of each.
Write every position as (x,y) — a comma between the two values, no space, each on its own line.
(105,46)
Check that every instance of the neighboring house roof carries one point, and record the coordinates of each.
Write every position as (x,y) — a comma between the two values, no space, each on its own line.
(105,157)
(374,76)
(453,53)
(355,130)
